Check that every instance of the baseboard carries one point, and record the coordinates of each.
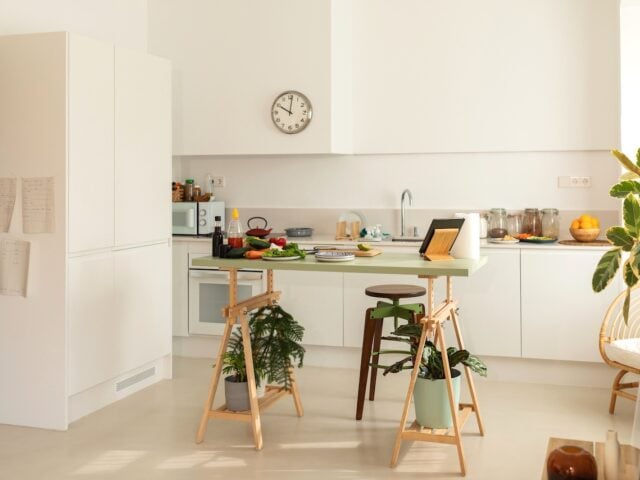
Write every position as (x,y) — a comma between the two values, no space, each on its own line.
(105,393)
(501,369)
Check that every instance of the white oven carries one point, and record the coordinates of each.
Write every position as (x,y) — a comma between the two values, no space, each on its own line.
(209,294)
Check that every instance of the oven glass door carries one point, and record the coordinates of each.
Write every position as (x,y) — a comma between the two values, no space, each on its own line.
(209,294)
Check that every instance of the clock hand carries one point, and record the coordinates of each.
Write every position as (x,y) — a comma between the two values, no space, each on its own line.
(290,104)
(289,111)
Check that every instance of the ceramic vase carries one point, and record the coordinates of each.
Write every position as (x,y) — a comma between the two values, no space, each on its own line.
(571,463)
(612,456)
(431,401)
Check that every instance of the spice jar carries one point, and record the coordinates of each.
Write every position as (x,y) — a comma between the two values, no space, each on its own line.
(514,225)
(550,223)
(532,222)
(188,190)
(497,223)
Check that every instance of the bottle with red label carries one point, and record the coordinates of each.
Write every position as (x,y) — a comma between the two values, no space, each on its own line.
(235,234)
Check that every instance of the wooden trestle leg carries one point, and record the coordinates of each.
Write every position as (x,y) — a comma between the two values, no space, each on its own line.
(237,312)
(432,326)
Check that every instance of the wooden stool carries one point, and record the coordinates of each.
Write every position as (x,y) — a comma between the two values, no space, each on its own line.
(373,330)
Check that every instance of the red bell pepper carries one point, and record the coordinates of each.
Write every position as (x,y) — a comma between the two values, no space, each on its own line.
(280,241)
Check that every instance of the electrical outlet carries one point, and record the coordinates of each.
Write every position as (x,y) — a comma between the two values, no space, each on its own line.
(218,182)
(574,182)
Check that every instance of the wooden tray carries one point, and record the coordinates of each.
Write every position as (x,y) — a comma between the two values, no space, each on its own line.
(595,243)
(358,253)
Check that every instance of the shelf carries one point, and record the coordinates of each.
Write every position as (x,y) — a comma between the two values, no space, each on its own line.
(443,435)
(273,393)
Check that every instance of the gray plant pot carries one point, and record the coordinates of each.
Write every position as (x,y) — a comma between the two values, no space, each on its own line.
(237,394)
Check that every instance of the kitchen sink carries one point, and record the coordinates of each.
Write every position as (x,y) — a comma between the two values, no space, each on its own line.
(407,239)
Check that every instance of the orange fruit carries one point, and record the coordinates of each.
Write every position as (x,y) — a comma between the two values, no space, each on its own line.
(575,224)
(595,222)
(586,223)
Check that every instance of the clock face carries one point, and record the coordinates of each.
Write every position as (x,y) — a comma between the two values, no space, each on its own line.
(291,112)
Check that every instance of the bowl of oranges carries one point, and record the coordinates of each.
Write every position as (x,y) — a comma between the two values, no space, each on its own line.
(585,228)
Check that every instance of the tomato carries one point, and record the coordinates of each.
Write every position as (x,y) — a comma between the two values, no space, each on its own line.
(280,241)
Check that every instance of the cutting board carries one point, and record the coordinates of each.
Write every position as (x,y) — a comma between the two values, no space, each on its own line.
(358,253)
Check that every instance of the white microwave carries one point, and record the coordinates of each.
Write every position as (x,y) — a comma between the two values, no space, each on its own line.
(196,218)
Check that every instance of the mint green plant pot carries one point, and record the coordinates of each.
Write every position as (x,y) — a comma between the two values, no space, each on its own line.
(431,401)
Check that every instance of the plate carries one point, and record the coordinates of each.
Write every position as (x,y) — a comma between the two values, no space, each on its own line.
(334,256)
(281,259)
(539,240)
(501,241)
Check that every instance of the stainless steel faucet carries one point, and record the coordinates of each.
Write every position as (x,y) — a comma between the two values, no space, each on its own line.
(406,193)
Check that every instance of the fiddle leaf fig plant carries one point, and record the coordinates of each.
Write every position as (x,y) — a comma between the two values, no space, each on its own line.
(625,238)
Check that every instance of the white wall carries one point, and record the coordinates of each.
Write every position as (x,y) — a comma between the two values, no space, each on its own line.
(121,22)
(630,75)
(438,181)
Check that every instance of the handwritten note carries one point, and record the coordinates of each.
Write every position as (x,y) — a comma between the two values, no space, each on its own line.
(14,266)
(7,202)
(38,205)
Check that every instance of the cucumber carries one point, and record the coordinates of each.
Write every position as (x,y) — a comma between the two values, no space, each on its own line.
(236,252)
(258,243)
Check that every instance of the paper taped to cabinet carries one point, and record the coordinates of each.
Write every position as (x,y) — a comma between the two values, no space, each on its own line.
(38,206)
(7,202)
(14,266)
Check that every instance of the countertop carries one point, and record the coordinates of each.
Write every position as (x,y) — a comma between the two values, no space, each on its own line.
(329,240)
(389,263)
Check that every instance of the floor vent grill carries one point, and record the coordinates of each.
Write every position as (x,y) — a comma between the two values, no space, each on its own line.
(138,377)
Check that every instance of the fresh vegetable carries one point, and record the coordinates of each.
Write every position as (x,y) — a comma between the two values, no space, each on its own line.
(280,241)
(237,252)
(257,243)
(290,250)
(364,247)
(255,254)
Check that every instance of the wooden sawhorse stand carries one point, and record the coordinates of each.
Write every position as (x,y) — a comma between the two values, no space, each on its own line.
(432,326)
(237,312)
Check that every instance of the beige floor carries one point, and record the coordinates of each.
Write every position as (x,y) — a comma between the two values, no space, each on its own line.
(150,434)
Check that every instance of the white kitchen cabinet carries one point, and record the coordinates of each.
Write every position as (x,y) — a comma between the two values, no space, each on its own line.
(142,316)
(91,127)
(315,301)
(222,96)
(142,147)
(92,328)
(180,288)
(489,303)
(561,315)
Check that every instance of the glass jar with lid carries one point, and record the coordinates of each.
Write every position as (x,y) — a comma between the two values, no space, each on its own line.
(514,225)
(550,223)
(532,222)
(497,223)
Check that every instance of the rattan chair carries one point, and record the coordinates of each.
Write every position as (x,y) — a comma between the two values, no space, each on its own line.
(620,345)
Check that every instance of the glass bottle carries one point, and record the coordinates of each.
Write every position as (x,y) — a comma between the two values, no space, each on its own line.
(217,239)
(497,223)
(550,223)
(188,190)
(532,222)
(514,225)
(235,233)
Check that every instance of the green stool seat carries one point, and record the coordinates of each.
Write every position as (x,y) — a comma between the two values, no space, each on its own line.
(373,329)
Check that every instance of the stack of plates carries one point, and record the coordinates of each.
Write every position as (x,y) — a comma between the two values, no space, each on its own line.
(334,256)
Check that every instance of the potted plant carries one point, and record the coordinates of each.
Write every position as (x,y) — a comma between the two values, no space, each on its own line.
(624,238)
(431,399)
(275,345)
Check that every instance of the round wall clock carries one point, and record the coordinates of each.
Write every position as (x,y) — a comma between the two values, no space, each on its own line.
(291,112)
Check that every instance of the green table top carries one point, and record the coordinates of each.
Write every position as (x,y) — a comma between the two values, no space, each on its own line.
(385,263)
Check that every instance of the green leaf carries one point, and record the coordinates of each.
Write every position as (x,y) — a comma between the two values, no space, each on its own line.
(606,269)
(631,215)
(638,157)
(624,188)
(630,277)
(620,238)
(625,307)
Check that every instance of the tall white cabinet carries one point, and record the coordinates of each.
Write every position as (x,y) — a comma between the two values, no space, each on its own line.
(95,325)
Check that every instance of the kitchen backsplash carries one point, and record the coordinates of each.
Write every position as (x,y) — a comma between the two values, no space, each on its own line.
(323,220)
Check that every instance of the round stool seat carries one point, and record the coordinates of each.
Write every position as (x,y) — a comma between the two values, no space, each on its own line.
(394,292)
